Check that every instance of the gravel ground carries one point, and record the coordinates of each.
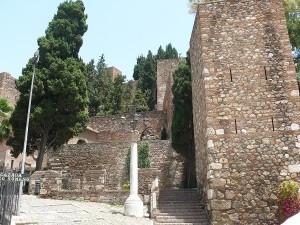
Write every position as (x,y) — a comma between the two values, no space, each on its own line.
(47,211)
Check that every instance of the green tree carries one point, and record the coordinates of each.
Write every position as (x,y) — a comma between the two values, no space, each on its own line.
(143,158)
(141,99)
(160,53)
(100,88)
(292,15)
(60,92)
(118,95)
(169,53)
(147,79)
(139,67)
(5,112)
(145,72)
(182,129)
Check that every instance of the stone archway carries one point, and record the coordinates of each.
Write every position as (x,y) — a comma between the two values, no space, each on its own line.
(81,141)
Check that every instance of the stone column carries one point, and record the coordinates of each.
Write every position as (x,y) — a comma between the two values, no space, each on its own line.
(133,204)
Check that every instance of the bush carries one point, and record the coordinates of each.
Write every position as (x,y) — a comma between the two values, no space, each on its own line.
(288,202)
(143,158)
(126,185)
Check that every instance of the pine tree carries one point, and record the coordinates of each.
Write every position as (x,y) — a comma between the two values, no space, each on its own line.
(60,92)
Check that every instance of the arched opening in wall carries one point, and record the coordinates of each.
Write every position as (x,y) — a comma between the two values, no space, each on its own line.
(81,141)
(148,134)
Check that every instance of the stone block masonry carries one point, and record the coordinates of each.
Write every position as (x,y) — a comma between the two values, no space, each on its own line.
(99,169)
(111,129)
(8,88)
(246,109)
(164,83)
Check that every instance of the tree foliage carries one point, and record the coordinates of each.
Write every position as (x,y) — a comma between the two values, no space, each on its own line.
(292,14)
(169,53)
(60,93)
(118,95)
(145,72)
(182,129)
(107,96)
(100,88)
(5,112)
(143,158)
(182,123)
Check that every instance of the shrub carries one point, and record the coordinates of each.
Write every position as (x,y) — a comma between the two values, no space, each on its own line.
(143,158)
(288,202)
(126,185)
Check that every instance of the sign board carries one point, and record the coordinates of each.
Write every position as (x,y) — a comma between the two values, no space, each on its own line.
(14,176)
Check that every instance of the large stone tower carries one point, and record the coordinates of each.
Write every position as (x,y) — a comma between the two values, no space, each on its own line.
(246,108)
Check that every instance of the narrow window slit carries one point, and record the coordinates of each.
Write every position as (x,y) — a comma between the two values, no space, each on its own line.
(230,75)
(266,74)
(273,124)
(235,126)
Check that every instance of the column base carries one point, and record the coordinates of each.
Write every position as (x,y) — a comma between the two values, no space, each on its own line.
(134,206)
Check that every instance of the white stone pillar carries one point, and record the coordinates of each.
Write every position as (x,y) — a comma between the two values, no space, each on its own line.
(133,204)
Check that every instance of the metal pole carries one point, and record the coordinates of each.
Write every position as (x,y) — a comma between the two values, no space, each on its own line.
(35,60)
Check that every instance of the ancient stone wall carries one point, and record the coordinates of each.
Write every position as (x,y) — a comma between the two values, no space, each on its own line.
(100,167)
(113,72)
(8,88)
(246,109)
(111,129)
(164,82)
(51,184)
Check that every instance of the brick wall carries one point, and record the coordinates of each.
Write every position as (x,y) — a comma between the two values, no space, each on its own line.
(246,108)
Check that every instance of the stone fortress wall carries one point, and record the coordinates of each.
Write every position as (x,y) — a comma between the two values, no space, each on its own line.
(164,83)
(8,88)
(111,129)
(97,169)
(246,109)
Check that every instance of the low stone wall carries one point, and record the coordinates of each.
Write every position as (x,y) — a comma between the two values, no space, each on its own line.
(51,185)
(99,168)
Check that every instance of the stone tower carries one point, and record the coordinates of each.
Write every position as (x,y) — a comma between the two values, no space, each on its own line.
(246,109)
(8,88)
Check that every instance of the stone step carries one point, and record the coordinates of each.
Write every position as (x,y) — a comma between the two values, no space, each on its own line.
(178,198)
(180,207)
(160,217)
(180,214)
(189,220)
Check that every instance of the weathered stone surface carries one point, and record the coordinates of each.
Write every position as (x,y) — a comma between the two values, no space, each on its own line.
(111,129)
(217,182)
(220,204)
(244,82)
(100,167)
(211,194)
(294,168)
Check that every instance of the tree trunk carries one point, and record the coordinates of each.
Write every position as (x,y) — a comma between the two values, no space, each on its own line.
(39,160)
(41,153)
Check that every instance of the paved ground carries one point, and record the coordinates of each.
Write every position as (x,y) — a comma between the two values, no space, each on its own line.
(46,211)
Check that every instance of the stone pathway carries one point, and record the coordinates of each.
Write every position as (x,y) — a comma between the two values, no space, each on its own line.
(47,211)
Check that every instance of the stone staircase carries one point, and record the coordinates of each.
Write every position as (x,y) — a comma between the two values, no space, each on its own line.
(57,165)
(180,207)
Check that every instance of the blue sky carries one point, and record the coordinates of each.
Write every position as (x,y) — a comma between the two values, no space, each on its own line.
(121,30)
